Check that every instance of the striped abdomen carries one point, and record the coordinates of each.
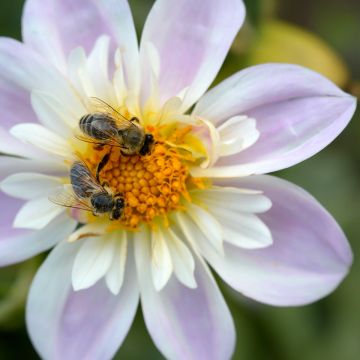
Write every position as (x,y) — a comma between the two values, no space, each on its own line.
(98,126)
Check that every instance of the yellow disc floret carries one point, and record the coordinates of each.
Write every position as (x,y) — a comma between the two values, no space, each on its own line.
(152,185)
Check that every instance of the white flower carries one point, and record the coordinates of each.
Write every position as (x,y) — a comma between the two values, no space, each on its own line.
(198,197)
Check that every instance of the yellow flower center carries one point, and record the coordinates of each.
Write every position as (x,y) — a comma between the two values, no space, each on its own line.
(152,185)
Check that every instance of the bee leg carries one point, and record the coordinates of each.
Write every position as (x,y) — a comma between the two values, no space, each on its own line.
(135,119)
(101,165)
(98,147)
(95,213)
(123,153)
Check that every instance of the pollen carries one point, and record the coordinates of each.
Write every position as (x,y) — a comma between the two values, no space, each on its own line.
(152,185)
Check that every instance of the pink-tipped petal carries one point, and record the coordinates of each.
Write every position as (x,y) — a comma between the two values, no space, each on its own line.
(309,257)
(55,27)
(192,38)
(185,323)
(24,68)
(297,111)
(17,245)
(16,107)
(87,324)
(23,71)
(14,101)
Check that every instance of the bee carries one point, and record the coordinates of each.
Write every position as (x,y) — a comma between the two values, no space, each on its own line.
(106,126)
(86,193)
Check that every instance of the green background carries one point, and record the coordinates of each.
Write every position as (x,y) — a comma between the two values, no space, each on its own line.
(328,329)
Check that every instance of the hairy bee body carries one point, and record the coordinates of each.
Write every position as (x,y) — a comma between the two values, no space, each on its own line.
(86,193)
(98,126)
(106,126)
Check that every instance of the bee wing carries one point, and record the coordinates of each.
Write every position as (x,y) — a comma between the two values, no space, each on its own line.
(84,178)
(103,107)
(114,142)
(65,196)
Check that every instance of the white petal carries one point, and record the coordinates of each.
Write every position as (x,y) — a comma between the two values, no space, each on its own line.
(11,146)
(97,72)
(237,134)
(115,275)
(235,199)
(42,138)
(73,325)
(36,214)
(192,39)
(298,112)
(309,258)
(18,245)
(119,79)
(29,186)
(11,165)
(161,264)
(92,262)
(210,227)
(182,259)
(53,114)
(88,230)
(244,230)
(185,323)
(210,137)
(76,64)
(28,70)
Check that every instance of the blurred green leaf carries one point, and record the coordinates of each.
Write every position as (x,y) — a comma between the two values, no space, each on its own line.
(15,283)
(278,41)
(254,8)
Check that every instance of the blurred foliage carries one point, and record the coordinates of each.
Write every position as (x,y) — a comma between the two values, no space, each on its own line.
(308,33)
(278,41)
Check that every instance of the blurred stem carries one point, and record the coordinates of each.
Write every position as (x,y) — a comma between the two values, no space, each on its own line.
(13,302)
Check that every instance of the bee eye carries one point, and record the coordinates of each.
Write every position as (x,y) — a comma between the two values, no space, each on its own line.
(150,138)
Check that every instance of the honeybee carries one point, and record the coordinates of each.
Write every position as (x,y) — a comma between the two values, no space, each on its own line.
(106,126)
(86,193)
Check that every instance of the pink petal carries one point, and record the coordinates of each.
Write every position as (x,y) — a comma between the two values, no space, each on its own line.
(192,38)
(186,323)
(21,72)
(309,257)
(87,324)
(55,27)
(298,112)
(17,245)
(14,101)
(16,107)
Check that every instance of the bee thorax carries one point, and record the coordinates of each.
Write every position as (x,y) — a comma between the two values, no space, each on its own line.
(102,202)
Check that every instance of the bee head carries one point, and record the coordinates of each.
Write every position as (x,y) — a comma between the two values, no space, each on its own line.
(119,205)
(149,140)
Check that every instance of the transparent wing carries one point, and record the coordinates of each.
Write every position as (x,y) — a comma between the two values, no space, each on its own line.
(113,141)
(103,107)
(65,196)
(83,179)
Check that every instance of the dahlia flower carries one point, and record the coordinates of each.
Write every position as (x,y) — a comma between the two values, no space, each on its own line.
(198,199)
